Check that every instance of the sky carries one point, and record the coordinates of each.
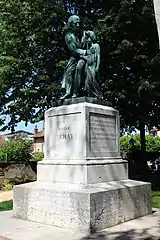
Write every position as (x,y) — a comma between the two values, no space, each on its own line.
(29,128)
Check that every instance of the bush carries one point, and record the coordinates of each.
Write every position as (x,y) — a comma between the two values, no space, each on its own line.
(16,151)
(156,199)
(152,144)
(6,185)
(37,157)
(126,146)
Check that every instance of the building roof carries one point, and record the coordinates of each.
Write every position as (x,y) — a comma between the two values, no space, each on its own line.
(39,134)
(18,132)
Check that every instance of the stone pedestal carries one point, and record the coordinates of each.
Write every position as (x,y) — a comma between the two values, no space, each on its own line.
(82,183)
(82,145)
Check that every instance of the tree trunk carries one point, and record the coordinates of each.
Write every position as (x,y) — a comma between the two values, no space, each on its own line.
(143,160)
(142,136)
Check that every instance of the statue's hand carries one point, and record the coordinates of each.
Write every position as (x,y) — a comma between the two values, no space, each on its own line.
(92,50)
(88,52)
(83,57)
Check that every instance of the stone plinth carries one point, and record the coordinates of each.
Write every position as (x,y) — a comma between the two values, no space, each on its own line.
(82,183)
(83,209)
(82,145)
(81,133)
(82,173)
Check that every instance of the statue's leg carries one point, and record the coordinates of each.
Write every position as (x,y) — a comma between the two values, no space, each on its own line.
(90,76)
(67,80)
(92,83)
(78,77)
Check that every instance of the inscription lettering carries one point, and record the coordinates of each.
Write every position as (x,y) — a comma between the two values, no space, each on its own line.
(103,137)
(65,133)
(64,128)
(67,136)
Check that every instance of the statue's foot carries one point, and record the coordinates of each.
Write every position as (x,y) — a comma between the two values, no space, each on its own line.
(76,95)
(65,96)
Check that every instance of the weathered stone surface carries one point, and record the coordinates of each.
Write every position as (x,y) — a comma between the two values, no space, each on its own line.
(88,173)
(82,145)
(82,183)
(82,208)
(81,132)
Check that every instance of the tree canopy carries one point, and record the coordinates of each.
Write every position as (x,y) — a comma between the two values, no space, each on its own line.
(33,56)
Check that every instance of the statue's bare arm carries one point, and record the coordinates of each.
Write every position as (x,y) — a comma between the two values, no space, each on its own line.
(72,46)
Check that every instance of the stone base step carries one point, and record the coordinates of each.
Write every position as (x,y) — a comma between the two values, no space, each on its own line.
(84,209)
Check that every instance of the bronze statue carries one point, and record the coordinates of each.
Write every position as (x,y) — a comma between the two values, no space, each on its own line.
(81,74)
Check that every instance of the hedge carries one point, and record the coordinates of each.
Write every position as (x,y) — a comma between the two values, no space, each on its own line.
(15,151)
(36,157)
(131,143)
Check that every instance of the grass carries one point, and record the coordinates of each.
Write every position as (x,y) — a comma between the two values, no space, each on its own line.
(6,205)
(156,199)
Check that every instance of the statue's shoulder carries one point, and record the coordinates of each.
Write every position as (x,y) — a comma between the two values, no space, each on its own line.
(91,35)
(69,37)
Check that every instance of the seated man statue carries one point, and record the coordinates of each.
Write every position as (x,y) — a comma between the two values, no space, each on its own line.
(81,74)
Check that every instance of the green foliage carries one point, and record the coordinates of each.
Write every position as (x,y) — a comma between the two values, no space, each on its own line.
(6,185)
(33,56)
(156,199)
(15,151)
(31,48)
(6,205)
(126,146)
(129,73)
(37,157)
(152,144)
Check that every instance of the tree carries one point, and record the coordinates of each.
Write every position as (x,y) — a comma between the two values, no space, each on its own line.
(33,56)
(131,63)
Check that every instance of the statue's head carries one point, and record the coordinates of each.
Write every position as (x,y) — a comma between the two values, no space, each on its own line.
(74,22)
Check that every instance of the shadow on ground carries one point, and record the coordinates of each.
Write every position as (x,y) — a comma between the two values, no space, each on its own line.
(138,232)
(127,235)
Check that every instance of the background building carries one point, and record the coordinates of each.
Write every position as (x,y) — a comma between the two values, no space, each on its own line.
(38,140)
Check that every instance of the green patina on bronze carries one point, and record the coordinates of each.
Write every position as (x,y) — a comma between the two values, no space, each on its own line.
(81,76)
